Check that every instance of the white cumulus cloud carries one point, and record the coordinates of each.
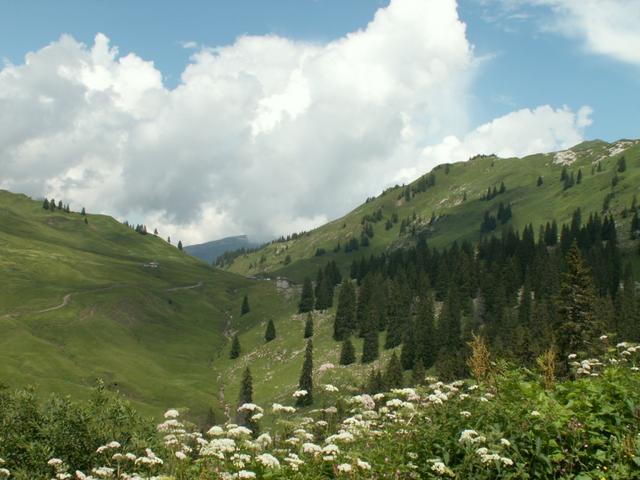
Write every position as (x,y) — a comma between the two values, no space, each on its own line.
(265,136)
(516,134)
(606,27)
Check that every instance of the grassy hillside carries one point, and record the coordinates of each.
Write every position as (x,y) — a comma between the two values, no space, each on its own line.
(77,304)
(210,251)
(162,344)
(457,207)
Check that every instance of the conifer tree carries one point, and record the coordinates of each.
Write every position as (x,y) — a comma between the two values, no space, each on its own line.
(52,204)
(345,319)
(83,212)
(418,373)
(579,177)
(375,383)
(60,206)
(245,308)
(540,181)
(270,332)
(235,347)
(179,244)
(245,396)
(622,164)
(348,352)
(628,321)
(308,326)
(425,332)
(322,291)
(408,354)
(576,300)
(393,375)
(370,346)
(397,313)
(307,299)
(306,376)
(45,204)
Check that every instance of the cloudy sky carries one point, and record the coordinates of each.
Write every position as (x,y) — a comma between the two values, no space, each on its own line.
(218,118)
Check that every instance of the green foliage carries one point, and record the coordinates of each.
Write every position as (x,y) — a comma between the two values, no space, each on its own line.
(32,431)
(348,352)
(235,347)
(577,326)
(306,377)
(345,318)
(307,299)
(270,332)
(245,308)
(308,326)
(393,374)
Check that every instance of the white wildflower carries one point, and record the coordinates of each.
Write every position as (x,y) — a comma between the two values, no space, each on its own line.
(215,431)
(344,468)
(330,388)
(268,460)
(172,413)
(300,393)
(246,474)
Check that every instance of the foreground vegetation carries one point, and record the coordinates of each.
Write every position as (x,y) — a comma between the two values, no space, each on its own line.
(507,423)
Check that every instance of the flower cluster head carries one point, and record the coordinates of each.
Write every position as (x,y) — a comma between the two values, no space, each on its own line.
(277,408)
(269,461)
(439,468)
(300,393)
(471,436)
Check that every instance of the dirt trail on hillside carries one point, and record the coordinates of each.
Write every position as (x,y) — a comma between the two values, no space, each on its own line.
(65,301)
(188,287)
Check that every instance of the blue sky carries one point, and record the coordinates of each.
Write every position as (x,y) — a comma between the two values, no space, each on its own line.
(165,113)
(525,65)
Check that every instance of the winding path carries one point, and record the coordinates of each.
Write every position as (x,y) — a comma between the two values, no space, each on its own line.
(188,287)
(67,299)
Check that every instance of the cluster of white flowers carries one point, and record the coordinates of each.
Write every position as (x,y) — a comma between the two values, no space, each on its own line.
(471,436)
(277,408)
(320,438)
(268,461)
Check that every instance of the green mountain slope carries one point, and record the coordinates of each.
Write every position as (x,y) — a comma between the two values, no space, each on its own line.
(78,304)
(453,208)
(210,251)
